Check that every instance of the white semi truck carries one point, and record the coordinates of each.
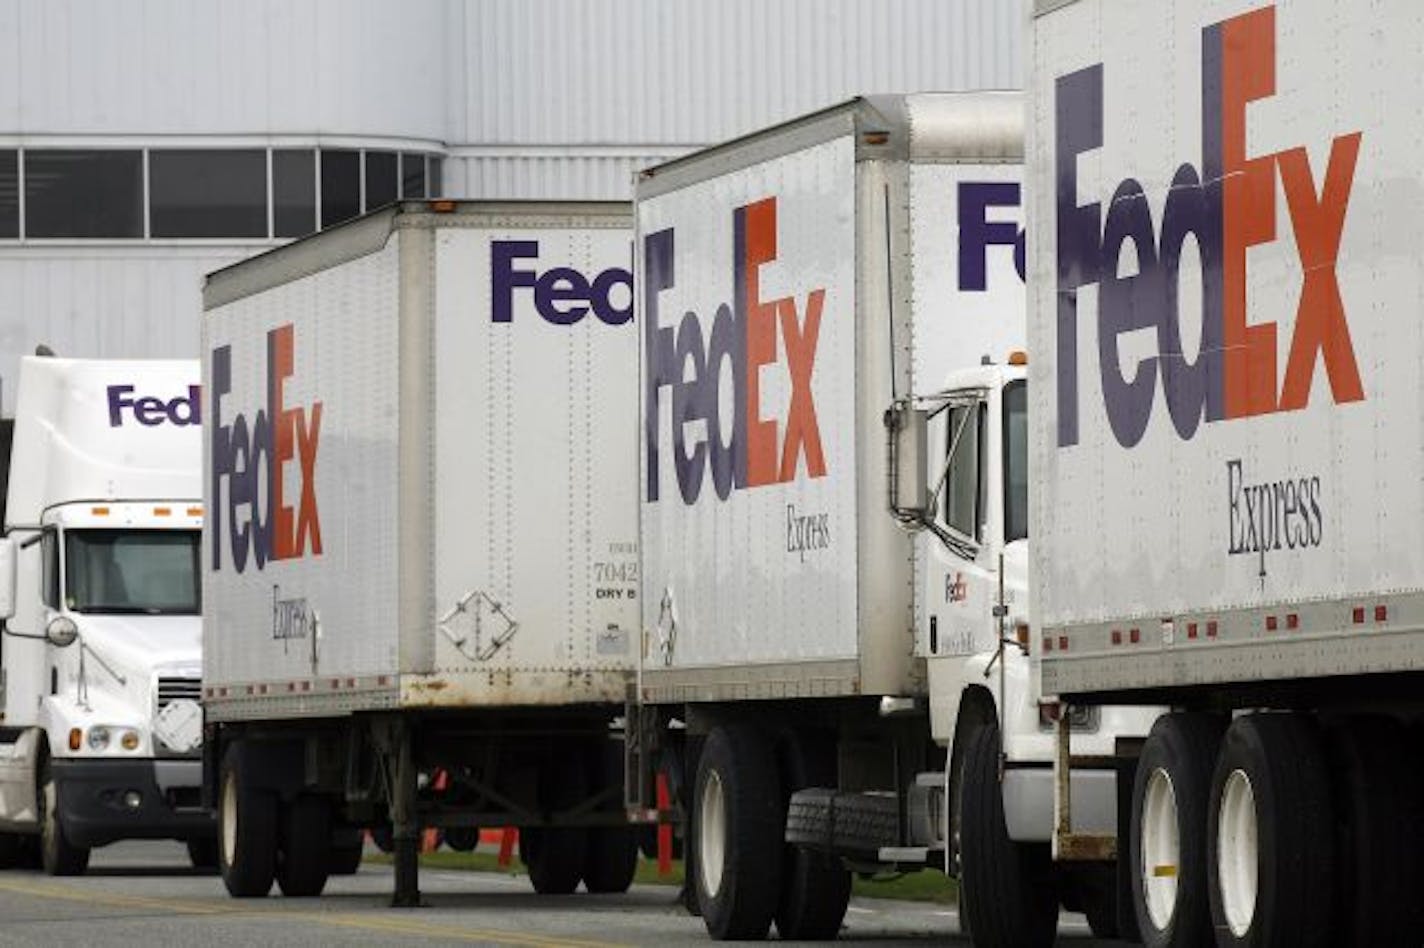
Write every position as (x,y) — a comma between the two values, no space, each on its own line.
(99,659)
(1226,261)
(420,571)
(835,547)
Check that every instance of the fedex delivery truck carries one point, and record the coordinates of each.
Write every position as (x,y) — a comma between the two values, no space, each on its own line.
(100,665)
(1226,262)
(420,572)
(834,528)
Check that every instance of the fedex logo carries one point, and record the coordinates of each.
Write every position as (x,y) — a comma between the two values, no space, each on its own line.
(1227,206)
(254,450)
(746,450)
(562,295)
(977,233)
(150,410)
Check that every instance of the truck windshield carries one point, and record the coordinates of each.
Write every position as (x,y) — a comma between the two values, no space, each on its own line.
(149,572)
(1015,461)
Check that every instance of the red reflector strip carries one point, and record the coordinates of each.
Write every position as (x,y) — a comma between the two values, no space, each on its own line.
(1381,613)
(1270,623)
(1134,636)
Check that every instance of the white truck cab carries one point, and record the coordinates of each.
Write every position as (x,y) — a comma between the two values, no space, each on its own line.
(100,660)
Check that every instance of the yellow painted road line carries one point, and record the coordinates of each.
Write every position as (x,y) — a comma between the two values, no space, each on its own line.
(374,923)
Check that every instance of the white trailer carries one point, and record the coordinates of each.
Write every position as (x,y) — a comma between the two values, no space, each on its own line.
(100,728)
(420,572)
(834,548)
(1227,258)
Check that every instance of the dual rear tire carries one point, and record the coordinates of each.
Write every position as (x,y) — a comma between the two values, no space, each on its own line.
(1276,831)
(262,839)
(744,876)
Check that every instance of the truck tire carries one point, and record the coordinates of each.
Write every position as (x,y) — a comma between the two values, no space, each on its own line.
(556,855)
(1377,786)
(10,850)
(247,830)
(611,860)
(203,852)
(59,856)
(849,822)
(304,857)
(1270,843)
(815,887)
(1007,895)
(347,845)
(739,828)
(462,839)
(1167,845)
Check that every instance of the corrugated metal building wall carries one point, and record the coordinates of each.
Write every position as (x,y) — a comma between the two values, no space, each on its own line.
(651,78)
(523,98)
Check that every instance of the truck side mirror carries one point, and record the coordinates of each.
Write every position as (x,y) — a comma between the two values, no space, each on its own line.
(9,553)
(909,479)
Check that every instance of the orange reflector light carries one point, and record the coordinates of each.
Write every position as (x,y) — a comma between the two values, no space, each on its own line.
(1164,872)
(75,736)
(99,511)
(195,511)
(442,206)
(1018,357)
(875,138)
(163,511)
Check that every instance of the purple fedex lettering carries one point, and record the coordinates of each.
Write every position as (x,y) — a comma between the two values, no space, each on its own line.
(1226,206)
(562,295)
(151,411)
(977,233)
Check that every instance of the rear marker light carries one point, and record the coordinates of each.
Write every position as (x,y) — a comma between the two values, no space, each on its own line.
(1270,623)
(75,736)
(1117,636)
(1292,621)
(163,511)
(1062,643)
(99,511)
(1211,629)
(1359,615)
(1381,613)
(1048,643)
(195,511)
(1134,636)
(1191,630)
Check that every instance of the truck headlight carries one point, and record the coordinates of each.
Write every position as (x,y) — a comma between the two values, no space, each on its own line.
(99,738)
(129,741)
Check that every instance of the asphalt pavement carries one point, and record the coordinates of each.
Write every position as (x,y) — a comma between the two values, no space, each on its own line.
(145,894)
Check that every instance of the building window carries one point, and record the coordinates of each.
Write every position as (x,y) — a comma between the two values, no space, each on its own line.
(340,186)
(293,192)
(207,193)
(412,175)
(73,193)
(9,194)
(381,179)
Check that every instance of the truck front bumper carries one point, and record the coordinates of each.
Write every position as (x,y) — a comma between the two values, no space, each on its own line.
(101,801)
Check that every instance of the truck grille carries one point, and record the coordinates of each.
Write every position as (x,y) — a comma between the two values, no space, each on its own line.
(173,689)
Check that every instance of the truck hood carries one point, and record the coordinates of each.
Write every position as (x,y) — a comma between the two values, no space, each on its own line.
(143,644)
